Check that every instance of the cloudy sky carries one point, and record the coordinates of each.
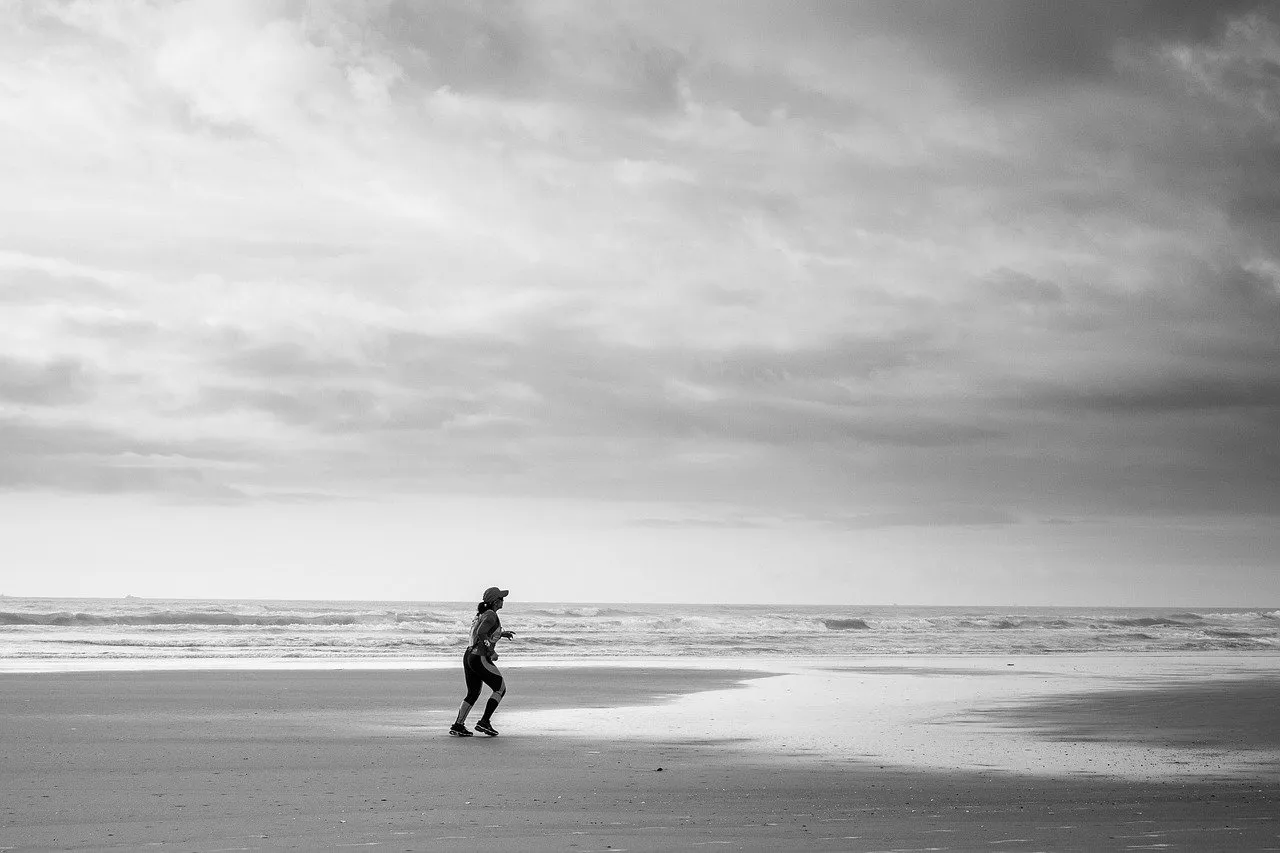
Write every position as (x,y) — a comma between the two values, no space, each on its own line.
(862,302)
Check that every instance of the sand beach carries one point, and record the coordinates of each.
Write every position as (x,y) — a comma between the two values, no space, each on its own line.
(1169,754)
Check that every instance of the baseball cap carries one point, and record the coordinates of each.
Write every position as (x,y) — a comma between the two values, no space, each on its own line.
(492,594)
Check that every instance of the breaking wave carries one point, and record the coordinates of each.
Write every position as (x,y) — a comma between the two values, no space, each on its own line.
(1152,621)
(846,624)
(584,612)
(201,617)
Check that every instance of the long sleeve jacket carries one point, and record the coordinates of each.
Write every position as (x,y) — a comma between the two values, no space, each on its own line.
(486,630)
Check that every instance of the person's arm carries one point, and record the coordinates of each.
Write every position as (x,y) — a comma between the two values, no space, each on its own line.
(496,633)
(486,642)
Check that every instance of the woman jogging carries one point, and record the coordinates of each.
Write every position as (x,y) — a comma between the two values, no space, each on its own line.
(478,663)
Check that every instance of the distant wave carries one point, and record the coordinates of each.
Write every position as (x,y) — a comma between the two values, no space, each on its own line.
(584,612)
(238,643)
(1149,622)
(1127,635)
(205,618)
(1245,615)
(1254,643)
(1017,622)
(846,624)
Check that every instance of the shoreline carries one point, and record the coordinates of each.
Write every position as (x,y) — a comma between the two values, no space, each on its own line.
(632,757)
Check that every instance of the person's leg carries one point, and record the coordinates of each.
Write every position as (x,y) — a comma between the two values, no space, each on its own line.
(474,680)
(492,704)
(493,677)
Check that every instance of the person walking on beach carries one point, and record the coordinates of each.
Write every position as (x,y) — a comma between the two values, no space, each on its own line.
(478,665)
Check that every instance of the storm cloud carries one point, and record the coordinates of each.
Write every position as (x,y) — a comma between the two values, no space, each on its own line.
(899,264)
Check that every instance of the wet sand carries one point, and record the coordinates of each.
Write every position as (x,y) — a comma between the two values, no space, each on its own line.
(244,760)
(1235,714)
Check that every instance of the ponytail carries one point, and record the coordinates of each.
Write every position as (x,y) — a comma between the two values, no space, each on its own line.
(482,607)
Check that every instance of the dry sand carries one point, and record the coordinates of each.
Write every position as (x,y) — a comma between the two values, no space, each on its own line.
(244,760)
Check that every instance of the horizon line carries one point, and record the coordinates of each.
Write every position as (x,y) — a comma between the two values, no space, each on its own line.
(637,602)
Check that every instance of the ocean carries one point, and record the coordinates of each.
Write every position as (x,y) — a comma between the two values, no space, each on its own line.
(38,633)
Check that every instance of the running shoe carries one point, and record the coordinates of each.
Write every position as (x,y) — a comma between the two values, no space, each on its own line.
(486,728)
(459,730)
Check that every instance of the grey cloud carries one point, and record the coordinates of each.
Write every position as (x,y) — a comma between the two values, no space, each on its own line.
(1252,291)
(1211,346)
(1013,286)
(757,93)
(286,359)
(37,287)
(188,483)
(340,409)
(584,55)
(395,382)
(727,296)
(1037,41)
(330,408)
(30,437)
(409,461)
(133,329)
(561,409)
(946,515)
(636,57)
(569,387)
(778,422)
(931,516)
(78,457)
(853,357)
(1258,211)
(296,497)
(1038,386)
(1238,355)
(1097,465)
(480,46)
(699,523)
(1168,395)
(45,383)
(1105,159)
(1212,474)
(293,249)
(756,395)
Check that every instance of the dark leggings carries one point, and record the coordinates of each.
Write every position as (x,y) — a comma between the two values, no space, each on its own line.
(479,671)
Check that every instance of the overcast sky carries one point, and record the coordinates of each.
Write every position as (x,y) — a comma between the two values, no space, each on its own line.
(859,302)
